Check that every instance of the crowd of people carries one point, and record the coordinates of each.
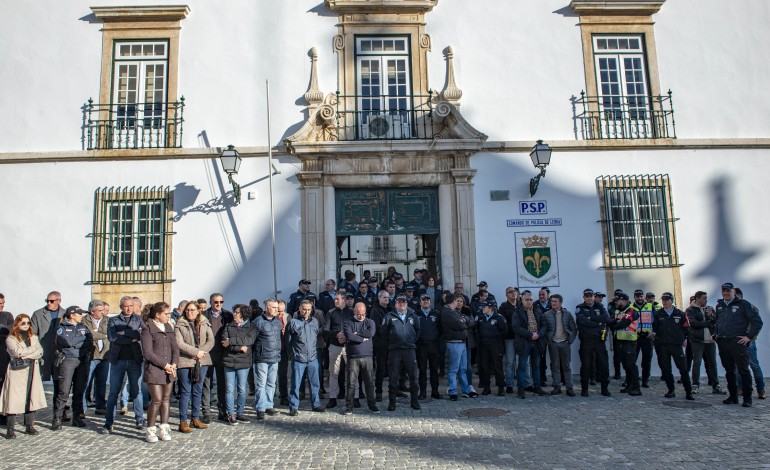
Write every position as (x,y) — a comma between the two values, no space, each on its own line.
(351,337)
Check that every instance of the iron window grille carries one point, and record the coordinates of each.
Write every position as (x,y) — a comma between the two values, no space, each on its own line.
(637,222)
(132,235)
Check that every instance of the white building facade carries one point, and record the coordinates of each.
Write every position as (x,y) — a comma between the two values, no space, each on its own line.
(400,134)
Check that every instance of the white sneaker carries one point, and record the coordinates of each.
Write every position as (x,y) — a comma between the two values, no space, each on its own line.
(165,432)
(151,435)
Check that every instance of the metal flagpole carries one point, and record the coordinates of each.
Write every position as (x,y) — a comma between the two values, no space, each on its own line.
(270,173)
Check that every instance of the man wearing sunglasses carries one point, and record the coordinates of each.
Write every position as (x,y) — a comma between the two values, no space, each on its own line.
(45,321)
(215,375)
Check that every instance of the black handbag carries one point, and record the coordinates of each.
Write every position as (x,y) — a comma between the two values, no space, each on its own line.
(18,363)
(195,374)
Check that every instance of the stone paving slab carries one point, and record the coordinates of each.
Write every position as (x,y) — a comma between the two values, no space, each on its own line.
(538,432)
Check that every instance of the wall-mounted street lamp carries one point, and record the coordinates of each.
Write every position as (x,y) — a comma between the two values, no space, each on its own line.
(231,163)
(541,157)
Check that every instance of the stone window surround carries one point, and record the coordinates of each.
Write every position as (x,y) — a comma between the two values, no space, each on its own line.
(618,18)
(139,23)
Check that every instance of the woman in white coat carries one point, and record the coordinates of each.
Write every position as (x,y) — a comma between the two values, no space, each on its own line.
(23,390)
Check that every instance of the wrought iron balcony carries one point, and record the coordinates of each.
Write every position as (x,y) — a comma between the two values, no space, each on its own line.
(383,117)
(623,117)
(134,125)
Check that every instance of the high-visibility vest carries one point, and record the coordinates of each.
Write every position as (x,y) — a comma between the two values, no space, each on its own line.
(645,316)
(629,333)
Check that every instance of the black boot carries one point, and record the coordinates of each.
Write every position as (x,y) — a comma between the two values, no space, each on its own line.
(10,423)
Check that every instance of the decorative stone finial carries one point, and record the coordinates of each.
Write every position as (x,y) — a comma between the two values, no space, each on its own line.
(313,95)
(451,93)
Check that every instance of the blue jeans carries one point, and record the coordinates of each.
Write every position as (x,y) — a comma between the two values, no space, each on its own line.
(188,390)
(297,370)
(119,371)
(264,382)
(99,372)
(233,378)
(458,364)
(756,370)
(530,354)
(144,389)
(510,363)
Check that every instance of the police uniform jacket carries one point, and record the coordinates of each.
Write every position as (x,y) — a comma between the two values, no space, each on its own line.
(302,339)
(159,348)
(74,340)
(492,329)
(669,329)
(430,326)
(295,299)
(125,332)
(591,320)
(401,334)
(738,318)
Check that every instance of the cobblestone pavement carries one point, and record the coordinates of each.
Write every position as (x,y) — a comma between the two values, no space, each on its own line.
(538,432)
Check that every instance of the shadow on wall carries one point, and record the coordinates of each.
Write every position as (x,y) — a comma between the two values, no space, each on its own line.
(728,257)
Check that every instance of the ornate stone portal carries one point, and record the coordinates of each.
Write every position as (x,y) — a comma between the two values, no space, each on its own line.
(432,150)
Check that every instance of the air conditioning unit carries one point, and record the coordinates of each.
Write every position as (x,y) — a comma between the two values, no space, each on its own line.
(384,127)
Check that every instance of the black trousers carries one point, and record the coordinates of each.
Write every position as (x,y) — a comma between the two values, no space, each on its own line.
(360,369)
(644,345)
(73,374)
(427,361)
(617,360)
(402,360)
(735,355)
(594,348)
(216,374)
(673,352)
(491,362)
(380,366)
(626,353)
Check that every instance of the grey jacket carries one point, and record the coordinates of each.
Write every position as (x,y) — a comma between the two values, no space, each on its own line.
(302,339)
(45,329)
(567,319)
(186,342)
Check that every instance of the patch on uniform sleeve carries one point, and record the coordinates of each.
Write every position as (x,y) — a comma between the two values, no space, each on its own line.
(493,322)
(411,321)
(433,319)
(60,331)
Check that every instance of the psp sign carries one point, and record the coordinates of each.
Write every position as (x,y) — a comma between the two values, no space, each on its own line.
(533,207)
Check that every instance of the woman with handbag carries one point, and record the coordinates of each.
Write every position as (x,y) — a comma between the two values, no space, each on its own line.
(23,389)
(195,339)
(161,357)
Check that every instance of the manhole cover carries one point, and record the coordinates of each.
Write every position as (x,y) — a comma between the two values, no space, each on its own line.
(483,412)
(692,405)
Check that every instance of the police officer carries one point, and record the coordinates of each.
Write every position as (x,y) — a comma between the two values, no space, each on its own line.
(412,300)
(592,321)
(625,323)
(74,345)
(365,295)
(670,330)
(492,329)
(402,330)
(427,347)
(482,288)
(297,297)
(644,342)
(737,325)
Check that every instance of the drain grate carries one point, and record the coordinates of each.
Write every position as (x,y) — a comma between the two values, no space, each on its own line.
(690,405)
(483,412)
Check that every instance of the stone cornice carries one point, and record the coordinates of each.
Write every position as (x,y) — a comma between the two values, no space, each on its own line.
(410,147)
(347,7)
(617,7)
(125,14)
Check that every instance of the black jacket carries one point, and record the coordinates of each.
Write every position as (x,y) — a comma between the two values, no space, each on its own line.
(243,336)
(378,315)
(506,310)
(294,300)
(669,329)
(125,332)
(699,320)
(454,325)
(401,334)
(430,326)
(492,329)
(521,330)
(74,340)
(591,320)
(738,318)
(335,320)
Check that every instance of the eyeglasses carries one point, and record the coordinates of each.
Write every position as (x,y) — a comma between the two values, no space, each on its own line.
(52,301)
(24,323)
(218,302)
